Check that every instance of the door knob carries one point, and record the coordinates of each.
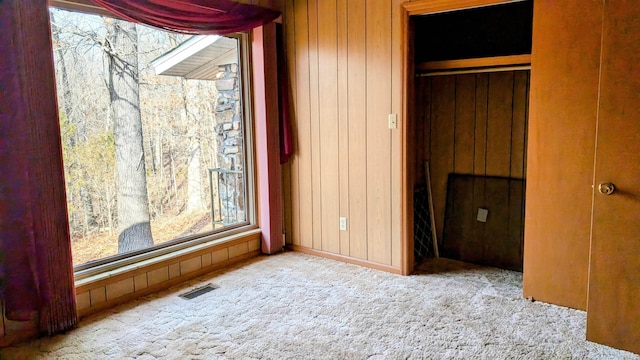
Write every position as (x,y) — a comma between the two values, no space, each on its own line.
(606,188)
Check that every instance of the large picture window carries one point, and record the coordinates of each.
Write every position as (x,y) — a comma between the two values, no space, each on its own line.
(154,132)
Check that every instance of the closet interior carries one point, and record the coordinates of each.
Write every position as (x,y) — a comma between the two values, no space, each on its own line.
(472,72)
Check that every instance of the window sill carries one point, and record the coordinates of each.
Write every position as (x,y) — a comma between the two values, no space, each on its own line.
(91,276)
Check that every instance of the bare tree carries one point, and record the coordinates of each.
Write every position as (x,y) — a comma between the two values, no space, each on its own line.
(94,69)
(121,49)
(194,178)
(77,122)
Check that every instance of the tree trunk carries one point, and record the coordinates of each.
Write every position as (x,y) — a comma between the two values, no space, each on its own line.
(194,180)
(132,198)
(153,150)
(64,78)
(174,182)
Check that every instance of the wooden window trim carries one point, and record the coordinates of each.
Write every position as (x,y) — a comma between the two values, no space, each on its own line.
(83,6)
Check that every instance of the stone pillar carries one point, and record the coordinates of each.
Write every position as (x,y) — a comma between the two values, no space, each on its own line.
(230,146)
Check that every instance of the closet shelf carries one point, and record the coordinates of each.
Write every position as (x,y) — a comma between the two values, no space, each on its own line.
(477,63)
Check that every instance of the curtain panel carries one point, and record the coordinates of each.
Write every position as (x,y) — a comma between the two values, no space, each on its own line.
(203,17)
(286,136)
(36,271)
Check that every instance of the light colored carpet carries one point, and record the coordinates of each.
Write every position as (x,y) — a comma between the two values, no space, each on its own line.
(294,306)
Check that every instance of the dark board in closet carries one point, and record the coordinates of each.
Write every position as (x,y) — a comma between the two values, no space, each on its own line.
(496,240)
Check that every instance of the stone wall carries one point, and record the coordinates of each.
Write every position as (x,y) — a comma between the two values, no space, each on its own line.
(230,147)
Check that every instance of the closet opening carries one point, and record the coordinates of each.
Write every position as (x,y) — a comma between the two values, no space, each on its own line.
(468,117)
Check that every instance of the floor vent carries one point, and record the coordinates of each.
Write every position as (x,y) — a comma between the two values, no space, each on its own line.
(198,291)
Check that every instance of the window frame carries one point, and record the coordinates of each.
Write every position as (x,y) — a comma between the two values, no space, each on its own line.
(218,236)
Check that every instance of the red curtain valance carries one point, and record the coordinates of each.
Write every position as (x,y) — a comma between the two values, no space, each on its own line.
(205,17)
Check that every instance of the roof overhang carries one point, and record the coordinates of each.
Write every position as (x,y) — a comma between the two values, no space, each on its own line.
(198,58)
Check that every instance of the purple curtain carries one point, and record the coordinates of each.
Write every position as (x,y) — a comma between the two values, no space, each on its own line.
(286,137)
(204,17)
(36,271)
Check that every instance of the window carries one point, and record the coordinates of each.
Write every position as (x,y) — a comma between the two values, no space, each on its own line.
(155,136)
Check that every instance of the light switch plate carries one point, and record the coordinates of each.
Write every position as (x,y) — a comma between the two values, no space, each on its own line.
(482,215)
(343,223)
(393,121)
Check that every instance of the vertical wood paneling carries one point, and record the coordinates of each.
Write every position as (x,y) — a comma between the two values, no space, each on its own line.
(357,109)
(426,98)
(421,135)
(292,201)
(443,110)
(316,146)
(343,119)
(473,124)
(518,125)
(286,202)
(396,135)
(465,114)
(518,157)
(480,152)
(348,78)
(378,25)
(500,108)
(328,118)
(302,115)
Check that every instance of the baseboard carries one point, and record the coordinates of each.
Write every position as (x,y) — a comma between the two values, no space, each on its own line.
(347,259)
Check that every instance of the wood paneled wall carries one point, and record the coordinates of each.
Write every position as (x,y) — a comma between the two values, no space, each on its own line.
(344,61)
(470,124)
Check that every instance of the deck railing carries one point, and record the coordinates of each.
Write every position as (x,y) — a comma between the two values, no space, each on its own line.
(227,191)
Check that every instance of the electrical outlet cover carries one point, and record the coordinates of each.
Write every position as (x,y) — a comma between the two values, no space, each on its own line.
(482,215)
(393,121)
(343,224)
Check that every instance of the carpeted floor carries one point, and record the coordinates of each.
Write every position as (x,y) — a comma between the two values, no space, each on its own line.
(294,306)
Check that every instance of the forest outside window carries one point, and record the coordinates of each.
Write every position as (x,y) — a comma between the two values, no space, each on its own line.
(154,135)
